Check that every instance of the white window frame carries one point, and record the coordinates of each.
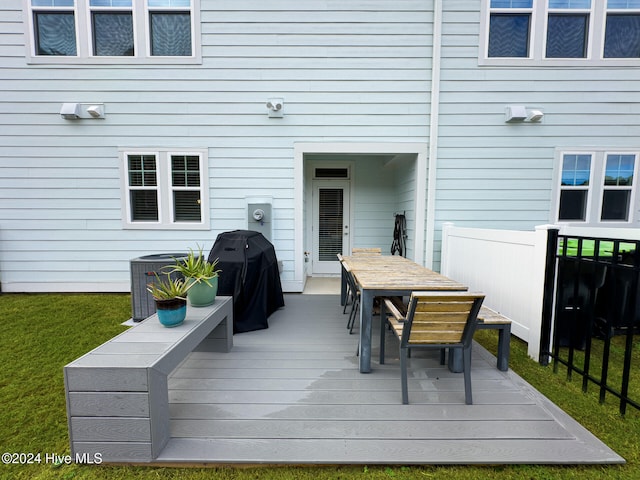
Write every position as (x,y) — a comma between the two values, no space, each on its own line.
(165,189)
(538,39)
(596,188)
(141,33)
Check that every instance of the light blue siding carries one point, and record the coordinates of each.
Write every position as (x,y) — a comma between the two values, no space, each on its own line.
(376,201)
(497,175)
(354,71)
(350,71)
(406,188)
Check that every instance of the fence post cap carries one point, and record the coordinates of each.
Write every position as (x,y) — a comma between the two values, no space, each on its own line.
(547,227)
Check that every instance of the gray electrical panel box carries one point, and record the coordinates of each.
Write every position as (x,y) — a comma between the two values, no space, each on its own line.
(259,219)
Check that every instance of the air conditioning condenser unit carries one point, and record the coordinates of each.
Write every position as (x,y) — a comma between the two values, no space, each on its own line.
(143,271)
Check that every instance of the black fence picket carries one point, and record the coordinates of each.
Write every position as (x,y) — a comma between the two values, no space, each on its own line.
(596,289)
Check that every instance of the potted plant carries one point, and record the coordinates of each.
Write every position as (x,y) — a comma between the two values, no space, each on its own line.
(201,277)
(171,302)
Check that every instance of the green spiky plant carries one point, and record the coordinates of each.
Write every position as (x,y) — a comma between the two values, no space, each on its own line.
(170,288)
(196,267)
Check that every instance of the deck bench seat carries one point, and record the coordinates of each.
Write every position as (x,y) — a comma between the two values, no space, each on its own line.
(117,395)
(489,319)
(492,320)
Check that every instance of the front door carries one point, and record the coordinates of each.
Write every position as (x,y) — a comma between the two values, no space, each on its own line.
(331,233)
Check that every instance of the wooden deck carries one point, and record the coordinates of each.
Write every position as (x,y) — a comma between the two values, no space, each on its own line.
(292,394)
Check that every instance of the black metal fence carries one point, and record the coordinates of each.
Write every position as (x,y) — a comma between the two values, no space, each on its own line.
(593,303)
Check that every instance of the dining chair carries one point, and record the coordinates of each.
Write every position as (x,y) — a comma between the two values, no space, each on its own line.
(355,296)
(433,320)
(348,293)
(366,251)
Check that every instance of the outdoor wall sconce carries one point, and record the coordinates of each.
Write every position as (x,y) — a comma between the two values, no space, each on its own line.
(96,111)
(275,107)
(74,111)
(519,113)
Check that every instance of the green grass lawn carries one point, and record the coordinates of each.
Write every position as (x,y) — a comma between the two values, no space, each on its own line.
(43,332)
(605,248)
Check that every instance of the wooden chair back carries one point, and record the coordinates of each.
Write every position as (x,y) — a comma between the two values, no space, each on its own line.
(434,320)
(366,251)
(441,318)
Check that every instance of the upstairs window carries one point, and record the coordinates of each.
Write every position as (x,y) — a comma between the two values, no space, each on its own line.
(568,28)
(560,32)
(113,31)
(622,37)
(597,188)
(510,28)
(54,27)
(170,28)
(112,27)
(165,189)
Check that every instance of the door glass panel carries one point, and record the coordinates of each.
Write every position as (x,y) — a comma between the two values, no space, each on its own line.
(332,173)
(330,223)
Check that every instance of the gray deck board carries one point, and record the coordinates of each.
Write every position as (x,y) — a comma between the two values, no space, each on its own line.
(371,430)
(293,394)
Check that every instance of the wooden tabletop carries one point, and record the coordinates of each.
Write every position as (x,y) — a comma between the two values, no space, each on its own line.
(390,272)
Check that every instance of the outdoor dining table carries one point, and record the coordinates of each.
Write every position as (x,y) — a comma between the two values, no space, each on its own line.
(386,276)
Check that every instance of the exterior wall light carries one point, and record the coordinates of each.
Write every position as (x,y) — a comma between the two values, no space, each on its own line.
(520,113)
(96,111)
(75,111)
(275,107)
(535,116)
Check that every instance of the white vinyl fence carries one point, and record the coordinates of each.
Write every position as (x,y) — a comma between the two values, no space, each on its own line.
(507,266)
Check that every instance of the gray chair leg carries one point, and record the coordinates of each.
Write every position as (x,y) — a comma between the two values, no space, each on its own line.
(348,299)
(353,314)
(466,360)
(403,375)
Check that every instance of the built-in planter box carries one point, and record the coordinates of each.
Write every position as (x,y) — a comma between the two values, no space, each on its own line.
(117,397)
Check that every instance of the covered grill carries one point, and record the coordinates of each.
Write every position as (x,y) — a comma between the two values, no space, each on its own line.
(250,274)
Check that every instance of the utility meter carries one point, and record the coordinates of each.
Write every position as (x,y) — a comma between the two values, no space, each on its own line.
(259,219)
(258,215)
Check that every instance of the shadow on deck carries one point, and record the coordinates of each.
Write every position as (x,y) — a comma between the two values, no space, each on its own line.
(292,394)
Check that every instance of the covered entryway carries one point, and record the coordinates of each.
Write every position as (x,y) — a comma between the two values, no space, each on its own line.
(347,195)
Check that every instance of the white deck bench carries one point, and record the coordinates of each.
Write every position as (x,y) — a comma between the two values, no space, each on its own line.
(117,396)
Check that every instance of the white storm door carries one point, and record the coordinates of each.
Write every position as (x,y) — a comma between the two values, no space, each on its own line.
(331,231)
